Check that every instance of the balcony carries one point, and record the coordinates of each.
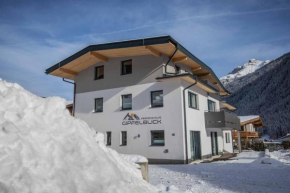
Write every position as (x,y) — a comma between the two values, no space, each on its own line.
(247,134)
(222,119)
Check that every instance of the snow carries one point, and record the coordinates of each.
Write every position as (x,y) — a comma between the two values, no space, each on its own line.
(247,118)
(44,149)
(281,155)
(244,173)
(134,158)
(244,70)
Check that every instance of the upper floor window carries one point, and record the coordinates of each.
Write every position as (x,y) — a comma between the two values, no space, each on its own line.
(157,98)
(192,100)
(211,105)
(99,105)
(177,70)
(126,102)
(126,67)
(99,72)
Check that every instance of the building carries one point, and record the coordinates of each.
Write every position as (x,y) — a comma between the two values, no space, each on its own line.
(150,97)
(69,106)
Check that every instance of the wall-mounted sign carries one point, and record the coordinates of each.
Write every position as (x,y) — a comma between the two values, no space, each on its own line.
(134,119)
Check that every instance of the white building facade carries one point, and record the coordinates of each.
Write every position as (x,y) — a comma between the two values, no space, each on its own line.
(151,104)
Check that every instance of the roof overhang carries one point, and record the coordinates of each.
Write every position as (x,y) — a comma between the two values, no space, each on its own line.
(227,105)
(71,66)
(257,122)
(190,79)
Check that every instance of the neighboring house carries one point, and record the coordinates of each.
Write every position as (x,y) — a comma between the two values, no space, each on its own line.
(150,97)
(69,106)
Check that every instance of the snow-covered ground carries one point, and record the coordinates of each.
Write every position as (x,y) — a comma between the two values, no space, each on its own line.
(245,173)
(45,150)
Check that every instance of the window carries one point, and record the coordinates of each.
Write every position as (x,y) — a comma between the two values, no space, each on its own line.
(99,72)
(126,67)
(177,70)
(126,102)
(192,100)
(211,105)
(109,138)
(123,137)
(157,98)
(99,105)
(157,138)
(228,138)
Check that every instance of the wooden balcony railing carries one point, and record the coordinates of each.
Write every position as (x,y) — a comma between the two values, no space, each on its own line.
(247,134)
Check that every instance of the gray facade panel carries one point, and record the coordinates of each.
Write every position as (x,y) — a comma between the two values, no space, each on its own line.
(145,69)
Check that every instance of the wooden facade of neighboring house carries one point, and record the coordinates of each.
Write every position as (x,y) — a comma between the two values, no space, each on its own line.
(249,125)
(69,107)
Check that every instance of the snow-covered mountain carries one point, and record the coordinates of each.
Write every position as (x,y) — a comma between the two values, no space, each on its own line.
(243,70)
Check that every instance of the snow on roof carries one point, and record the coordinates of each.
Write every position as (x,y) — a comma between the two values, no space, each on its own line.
(247,118)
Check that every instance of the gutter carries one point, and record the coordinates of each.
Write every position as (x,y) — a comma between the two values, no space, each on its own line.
(184,118)
(74,100)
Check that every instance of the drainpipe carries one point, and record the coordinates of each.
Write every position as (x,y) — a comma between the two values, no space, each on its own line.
(176,48)
(184,112)
(73,114)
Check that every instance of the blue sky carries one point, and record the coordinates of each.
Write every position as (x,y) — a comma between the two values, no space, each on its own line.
(34,35)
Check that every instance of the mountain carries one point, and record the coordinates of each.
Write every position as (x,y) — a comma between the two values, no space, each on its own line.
(265,92)
(243,70)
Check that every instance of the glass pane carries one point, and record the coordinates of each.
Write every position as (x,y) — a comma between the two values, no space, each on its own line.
(127,67)
(192,100)
(99,105)
(211,105)
(124,138)
(158,138)
(127,102)
(157,99)
(100,72)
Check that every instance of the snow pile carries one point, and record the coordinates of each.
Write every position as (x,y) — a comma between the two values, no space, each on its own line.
(44,149)
(134,158)
(244,70)
(281,155)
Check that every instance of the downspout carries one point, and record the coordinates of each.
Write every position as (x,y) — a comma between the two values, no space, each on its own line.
(166,72)
(73,114)
(185,123)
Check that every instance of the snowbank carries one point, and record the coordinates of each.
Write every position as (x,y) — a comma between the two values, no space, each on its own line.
(44,149)
(281,155)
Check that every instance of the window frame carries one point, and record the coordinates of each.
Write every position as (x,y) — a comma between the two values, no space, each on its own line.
(122,102)
(95,109)
(208,100)
(151,95)
(96,70)
(190,101)
(152,139)
(122,67)
(227,135)
(124,144)
(107,142)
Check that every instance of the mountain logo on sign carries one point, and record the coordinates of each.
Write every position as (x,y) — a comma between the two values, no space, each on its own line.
(131,117)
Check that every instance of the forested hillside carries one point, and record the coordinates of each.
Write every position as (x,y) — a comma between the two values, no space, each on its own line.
(266,92)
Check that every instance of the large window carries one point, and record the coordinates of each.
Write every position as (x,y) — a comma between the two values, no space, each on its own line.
(126,67)
(157,138)
(126,102)
(99,72)
(123,137)
(192,100)
(228,138)
(211,105)
(157,98)
(109,138)
(99,105)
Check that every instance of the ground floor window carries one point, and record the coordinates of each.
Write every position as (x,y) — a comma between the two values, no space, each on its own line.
(228,138)
(157,138)
(99,105)
(109,138)
(123,137)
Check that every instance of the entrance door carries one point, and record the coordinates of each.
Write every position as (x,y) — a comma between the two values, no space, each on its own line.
(195,145)
(214,143)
